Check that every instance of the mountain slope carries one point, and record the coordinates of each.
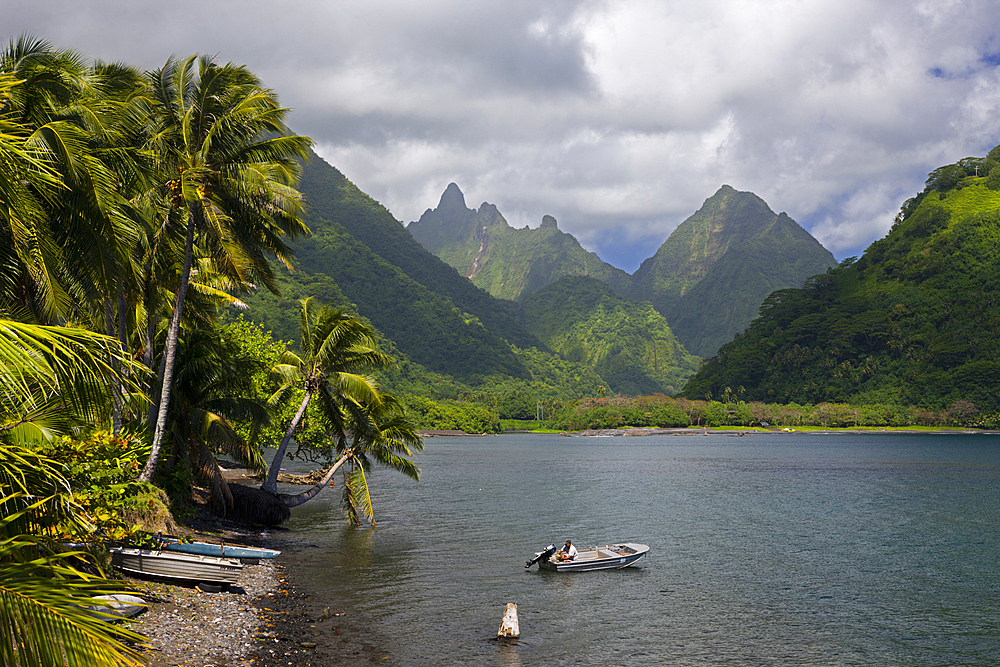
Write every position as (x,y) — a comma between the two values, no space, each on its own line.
(629,344)
(332,197)
(915,321)
(506,262)
(447,326)
(710,276)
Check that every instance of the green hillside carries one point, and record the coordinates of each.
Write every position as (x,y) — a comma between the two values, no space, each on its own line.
(710,276)
(914,321)
(506,262)
(333,198)
(628,344)
(446,325)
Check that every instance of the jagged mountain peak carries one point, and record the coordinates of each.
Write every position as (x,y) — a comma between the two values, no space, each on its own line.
(452,199)
(713,271)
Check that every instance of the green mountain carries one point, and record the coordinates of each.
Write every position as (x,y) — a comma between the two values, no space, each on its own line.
(915,321)
(506,262)
(629,344)
(711,275)
(359,255)
(332,197)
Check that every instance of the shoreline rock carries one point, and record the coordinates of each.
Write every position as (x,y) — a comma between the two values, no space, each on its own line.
(265,620)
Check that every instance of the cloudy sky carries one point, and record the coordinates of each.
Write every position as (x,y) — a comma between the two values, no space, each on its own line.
(618,118)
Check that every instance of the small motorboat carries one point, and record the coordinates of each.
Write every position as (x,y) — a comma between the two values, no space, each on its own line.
(607,557)
(247,555)
(152,563)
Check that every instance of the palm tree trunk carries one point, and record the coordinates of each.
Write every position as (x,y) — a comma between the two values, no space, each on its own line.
(169,354)
(299,498)
(271,483)
(116,385)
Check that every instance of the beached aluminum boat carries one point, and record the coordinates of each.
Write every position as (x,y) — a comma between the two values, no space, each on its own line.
(248,555)
(177,566)
(607,557)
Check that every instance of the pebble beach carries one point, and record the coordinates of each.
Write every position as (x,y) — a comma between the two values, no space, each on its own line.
(263,620)
(266,619)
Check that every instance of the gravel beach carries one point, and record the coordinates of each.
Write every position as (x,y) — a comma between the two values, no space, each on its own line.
(263,620)
(267,619)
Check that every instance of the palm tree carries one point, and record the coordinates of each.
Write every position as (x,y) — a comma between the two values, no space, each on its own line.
(386,437)
(84,122)
(335,348)
(228,169)
(209,395)
(50,379)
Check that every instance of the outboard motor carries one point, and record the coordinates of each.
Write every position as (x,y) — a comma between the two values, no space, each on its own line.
(542,555)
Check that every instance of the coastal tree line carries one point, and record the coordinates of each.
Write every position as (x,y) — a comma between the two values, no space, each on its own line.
(133,206)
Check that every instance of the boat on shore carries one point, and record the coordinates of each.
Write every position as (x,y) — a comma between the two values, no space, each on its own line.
(153,563)
(606,557)
(247,555)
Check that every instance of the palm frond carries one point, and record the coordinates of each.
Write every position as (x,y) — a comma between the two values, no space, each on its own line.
(44,619)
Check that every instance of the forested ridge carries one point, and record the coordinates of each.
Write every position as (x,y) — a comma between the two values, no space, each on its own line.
(707,279)
(629,344)
(710,276)
(914,321)
(508,263)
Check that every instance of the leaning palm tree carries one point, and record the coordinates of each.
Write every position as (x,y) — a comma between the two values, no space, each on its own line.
(385,436)
(336,349)
(228,167)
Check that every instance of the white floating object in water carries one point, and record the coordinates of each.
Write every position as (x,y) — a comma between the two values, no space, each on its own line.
(508,626)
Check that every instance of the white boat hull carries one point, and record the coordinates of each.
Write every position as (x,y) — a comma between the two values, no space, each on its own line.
(607,557)
(176,566)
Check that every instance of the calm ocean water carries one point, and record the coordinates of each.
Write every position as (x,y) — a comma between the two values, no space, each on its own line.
(770,549)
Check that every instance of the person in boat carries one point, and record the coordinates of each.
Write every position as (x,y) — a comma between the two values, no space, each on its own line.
(568,552)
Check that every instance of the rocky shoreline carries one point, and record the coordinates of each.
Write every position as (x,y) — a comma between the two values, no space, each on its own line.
(266,619)
(263,620)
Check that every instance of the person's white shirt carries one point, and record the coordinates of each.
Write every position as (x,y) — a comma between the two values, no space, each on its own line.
(571,552)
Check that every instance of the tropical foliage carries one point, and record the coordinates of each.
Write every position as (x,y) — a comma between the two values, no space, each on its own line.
(615,412)
(55,377)
(226,169)
(912,322)
(628,344)
(119,193)
(357,422)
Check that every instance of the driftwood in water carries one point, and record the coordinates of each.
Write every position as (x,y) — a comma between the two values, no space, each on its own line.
(508,626)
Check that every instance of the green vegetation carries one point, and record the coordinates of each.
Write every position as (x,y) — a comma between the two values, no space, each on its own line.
(437,319)
(710,276)
(707,279)
(134,205)
(913,322)
(506,262)
(628,344)
(667,412)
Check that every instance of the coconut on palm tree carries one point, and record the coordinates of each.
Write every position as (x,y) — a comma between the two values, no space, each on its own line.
(228,170)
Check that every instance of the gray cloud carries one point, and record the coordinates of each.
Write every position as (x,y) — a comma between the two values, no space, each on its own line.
(619,118)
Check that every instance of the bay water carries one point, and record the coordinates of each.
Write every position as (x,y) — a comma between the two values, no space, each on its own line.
(767,549)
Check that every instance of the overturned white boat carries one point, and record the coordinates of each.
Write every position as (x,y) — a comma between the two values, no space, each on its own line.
(151,563)
(606,557)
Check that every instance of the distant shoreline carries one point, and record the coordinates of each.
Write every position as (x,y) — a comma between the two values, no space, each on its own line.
(737,432)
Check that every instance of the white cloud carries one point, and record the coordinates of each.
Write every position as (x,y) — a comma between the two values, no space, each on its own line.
(618,117)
